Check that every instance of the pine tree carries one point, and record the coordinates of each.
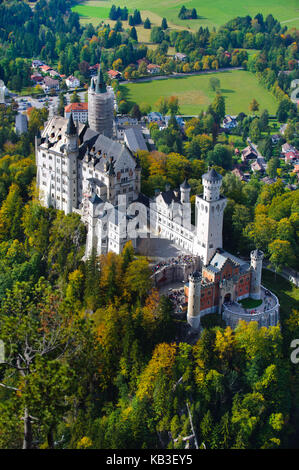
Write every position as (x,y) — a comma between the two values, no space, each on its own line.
(147,24)
(133,34)
(164,24)
(137,17)
(124,14)
(182,12)
(194,14)
(112,13)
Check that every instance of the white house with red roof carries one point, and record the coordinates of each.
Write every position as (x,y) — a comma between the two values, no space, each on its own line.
(78,110)
(72,82)
(114,74)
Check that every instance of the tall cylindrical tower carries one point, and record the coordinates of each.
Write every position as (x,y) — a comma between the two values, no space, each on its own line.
(185,189)
(193,313)
(100,106)
(212,182)
(256,266)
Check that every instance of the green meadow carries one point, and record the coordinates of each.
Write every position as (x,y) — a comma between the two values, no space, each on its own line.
(194,92)
(210,14)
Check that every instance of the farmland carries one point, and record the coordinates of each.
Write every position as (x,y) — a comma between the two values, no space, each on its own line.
(209,14)
(194,93)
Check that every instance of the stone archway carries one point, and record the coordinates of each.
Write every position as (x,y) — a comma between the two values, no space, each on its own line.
(227,297)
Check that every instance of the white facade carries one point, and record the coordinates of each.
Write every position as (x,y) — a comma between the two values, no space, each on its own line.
(84,170)
(72,82)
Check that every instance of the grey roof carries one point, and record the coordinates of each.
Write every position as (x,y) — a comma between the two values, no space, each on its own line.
(95,199)
(222,256)
(257,253)
(212,268)
(103,146)
(185,185)
(96,182)
(101,85)
(170,196)
(71,128)
(212,175)
(135,139)
(145,200)
(97,146)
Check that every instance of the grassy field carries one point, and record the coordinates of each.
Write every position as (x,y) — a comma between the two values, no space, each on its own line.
(210,14)
(194,93)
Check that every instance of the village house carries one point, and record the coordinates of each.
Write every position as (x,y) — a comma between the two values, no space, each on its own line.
(93,69)
(45,68)
(114,74)
(134,140)
(291,156)
(154,116)
(78,110)
(53,73)
(72,82)
(153,69)
(50,84)
(286,148)
(239,174)
(36,64)
(37,78)
(229,122)
(249,153)
(181,57)
(259,165)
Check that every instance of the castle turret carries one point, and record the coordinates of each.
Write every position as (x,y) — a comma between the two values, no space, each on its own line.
(209,216)
(212,182)
(100,106)
(185,192)
(256,267)
(194,291)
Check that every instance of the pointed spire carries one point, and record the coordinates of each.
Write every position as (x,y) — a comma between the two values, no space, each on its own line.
(185,184)
(101,86)
(92,85)
(71,128)
(111,171)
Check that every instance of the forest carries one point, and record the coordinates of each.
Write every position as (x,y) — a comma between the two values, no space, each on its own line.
(58,314)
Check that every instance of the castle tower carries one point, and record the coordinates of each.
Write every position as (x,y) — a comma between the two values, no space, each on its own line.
(194,291)
(256,266)
(72,151)
(100,106)
(185,192)
(209,216)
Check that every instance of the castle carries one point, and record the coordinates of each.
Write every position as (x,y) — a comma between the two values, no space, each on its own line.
(88,171)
